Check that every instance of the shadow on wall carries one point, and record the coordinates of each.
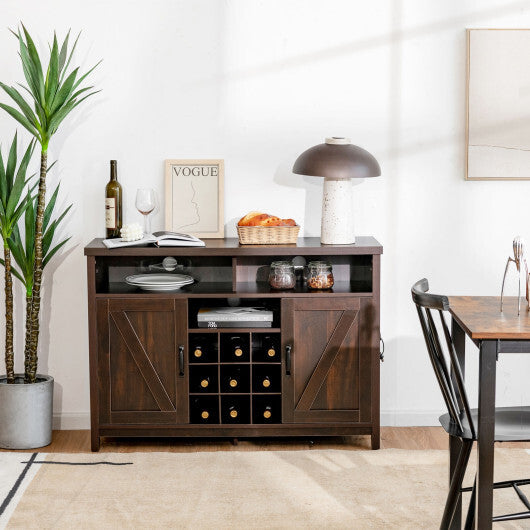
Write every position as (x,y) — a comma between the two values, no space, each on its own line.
(418,403)
(284,176)
(46,308)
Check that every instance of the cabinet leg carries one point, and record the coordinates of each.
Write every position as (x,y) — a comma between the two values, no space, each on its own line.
(235,441)
(95,442)
(376,440)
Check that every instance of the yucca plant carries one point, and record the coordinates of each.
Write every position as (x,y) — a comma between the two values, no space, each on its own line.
(53,94)
(23,251)
(13,201)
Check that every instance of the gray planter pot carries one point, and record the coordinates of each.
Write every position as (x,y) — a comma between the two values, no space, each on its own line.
(26,413)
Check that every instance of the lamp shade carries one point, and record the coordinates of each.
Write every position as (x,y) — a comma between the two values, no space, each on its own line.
(338,158)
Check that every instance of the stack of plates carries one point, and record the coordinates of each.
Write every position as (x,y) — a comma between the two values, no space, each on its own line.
(159,282)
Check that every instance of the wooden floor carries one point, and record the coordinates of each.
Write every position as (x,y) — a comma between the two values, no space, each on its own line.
(391,438)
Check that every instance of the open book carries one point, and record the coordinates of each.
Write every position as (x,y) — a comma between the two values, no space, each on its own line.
(161,239)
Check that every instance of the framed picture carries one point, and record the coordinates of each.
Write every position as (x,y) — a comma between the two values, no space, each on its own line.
(498,104)
(195,197)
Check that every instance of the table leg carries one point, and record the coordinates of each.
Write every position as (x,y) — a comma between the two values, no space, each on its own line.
(486,434)
(459,340)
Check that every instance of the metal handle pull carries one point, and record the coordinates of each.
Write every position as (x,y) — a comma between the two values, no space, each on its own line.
(288,350)
(382,349)
(181,360)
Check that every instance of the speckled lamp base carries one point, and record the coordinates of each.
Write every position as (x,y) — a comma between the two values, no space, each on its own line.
(337,213)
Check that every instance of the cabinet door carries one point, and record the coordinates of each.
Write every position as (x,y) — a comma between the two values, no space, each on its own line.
(326,366)
(140,345)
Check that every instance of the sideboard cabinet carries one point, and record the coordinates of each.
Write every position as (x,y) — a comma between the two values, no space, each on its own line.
(155,372)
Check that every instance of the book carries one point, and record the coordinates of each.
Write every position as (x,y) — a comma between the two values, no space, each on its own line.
(174,239)
(239,317)
(160,239)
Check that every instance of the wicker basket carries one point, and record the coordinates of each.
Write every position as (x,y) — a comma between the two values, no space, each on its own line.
(267,235)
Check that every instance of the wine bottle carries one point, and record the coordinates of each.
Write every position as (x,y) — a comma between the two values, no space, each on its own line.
(232,382)
(267,413)
(205,382)
(205,414)
(236,346)
(113,203)
(198,352)
(266,382)
(271,352)
(232,411)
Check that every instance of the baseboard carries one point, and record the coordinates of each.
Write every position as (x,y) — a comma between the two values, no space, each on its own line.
(70,421)
(389,418)
(410,418)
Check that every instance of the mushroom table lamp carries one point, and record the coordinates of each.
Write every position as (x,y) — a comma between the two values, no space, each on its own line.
(338,161)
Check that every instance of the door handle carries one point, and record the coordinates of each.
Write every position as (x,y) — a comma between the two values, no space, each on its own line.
(288,350)
(181,360)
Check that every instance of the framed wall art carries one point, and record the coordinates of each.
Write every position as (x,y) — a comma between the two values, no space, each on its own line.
(498,104)
(195,197)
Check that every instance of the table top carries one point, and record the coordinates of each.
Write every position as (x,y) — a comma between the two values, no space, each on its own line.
(231,247)
(480,317)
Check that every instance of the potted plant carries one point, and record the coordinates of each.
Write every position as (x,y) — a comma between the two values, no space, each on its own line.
(54,93)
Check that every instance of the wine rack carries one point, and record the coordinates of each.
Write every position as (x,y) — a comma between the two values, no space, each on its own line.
(235,378)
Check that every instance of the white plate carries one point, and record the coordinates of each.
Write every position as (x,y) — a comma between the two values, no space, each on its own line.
(159,282)
(161,288)
(158,279)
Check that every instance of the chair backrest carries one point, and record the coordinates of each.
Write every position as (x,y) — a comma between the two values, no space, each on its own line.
(449,375)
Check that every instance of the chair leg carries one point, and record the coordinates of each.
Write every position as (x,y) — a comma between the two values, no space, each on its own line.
(470,518)
(456,484)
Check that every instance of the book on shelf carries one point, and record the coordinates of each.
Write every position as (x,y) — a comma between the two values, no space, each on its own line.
(160,239)
(234,317)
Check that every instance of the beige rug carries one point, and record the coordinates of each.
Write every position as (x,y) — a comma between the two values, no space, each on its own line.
(263,489)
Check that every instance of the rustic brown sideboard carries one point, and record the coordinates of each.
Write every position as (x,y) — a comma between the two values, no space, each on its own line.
(154,372)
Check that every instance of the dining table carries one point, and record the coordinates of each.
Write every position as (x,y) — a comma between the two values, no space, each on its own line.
(494,333)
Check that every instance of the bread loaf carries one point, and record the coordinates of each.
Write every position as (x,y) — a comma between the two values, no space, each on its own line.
(264,219)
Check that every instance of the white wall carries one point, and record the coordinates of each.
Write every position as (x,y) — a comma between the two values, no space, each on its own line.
(256,83)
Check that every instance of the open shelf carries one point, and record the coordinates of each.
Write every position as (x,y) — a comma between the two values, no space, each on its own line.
(263,289)
(234,330)
(203,289)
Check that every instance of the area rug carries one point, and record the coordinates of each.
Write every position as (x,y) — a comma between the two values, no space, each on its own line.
(319,488)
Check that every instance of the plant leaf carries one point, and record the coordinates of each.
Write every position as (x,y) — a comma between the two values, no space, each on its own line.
(54,250)
(14,271)
(19,182)
(11,165)
(34,56)
(82,78)
(52,75)
(21,119)
(21,102)
(64,91)
(64,51)
(3,189)
(70,57)
(49,208)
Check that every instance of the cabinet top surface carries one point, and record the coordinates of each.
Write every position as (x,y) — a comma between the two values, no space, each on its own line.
(231,247)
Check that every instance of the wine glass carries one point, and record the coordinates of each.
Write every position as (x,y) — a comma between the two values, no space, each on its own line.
(145,204)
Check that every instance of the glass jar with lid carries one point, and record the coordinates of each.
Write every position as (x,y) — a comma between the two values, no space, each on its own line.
(320,275)
(282,275)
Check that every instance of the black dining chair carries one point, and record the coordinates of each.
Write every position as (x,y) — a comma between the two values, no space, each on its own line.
(512,424)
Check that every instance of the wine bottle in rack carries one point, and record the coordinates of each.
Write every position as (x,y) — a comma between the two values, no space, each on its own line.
(205,382)
(237,347)
(266,382)
(267,409)
(233,412)
(113,203)
(235,378)
(271,351)
(204,409)
(197,351)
